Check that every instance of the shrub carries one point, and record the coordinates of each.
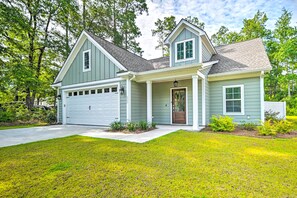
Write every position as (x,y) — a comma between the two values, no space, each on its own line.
(267,128)
(116,126)
(143,125)
(153,125)
(22,113)
(249,126)
(6,116)
(283,127)
(272,116)
(222,123)
(51,116)
(132,126)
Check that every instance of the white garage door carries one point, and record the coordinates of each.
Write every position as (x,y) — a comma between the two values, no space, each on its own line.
(92,106)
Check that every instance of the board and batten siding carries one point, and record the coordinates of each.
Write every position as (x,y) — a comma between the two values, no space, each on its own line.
(123,103)
(162,103)
(252,103)
(101,67)
(206,55)
(138,101)
(185,35)
(60,107)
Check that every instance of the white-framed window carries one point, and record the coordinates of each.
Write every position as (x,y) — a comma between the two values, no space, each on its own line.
(233,100)
(86,60)
(185,50)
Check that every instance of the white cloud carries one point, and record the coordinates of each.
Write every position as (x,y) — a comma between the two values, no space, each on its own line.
(214,13)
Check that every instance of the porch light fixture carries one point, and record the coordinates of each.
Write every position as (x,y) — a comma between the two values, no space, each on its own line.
(122,90)
(175,83)
(59,97)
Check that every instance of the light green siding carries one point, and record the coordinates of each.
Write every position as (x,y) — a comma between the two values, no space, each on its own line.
(59,109)
(206,55)
(101,67)
(252,104)
(123,103)
(162,103)
(184,35)
(138,101)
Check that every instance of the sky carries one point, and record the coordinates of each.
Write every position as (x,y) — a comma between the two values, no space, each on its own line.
(214,13)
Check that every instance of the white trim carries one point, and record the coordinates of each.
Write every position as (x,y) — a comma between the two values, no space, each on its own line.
(185,50)
(209,63)
(200,50)
(109,56)
(92,83)
(200,75)
(149,102)
(238,72)
(170,57)
(241,98)
(58,104)
(90,59)
(57,85)
(187,101)
(80,41)
(203,102)
(128,87)
(65,92)
(262,93)
(195,103)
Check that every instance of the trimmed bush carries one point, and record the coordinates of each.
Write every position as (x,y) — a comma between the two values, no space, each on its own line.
(143,125)
(284,127)
(249,126)
(153,125)
(132,126)
(267,128)
(116,126)
(222,124)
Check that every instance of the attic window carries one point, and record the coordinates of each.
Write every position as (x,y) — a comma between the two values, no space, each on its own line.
(86,60)
(184,50)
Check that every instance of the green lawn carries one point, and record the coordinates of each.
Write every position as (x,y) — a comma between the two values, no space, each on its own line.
(22,126)
(181,164)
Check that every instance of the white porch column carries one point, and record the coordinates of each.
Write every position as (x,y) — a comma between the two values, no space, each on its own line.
(203,103)
(128,84)
(195,102)
(149,101)
(262,93)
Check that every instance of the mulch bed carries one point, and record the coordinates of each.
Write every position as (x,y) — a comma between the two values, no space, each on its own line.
(240,132)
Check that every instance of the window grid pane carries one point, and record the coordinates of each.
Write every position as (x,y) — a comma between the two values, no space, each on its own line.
(189,49)
(87,60)
(180,51)
(233,100)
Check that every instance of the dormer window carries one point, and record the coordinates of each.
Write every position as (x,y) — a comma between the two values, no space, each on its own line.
(86,60)
(184,50)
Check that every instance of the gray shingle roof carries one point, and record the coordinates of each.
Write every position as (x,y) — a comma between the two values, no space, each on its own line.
(161,62)
(243,56)
(130,61)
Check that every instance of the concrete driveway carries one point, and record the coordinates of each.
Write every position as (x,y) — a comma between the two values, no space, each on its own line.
(25,135)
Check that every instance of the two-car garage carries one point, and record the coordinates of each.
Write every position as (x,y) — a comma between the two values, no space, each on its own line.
(94,106)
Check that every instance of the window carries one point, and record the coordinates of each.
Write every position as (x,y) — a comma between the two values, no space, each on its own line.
(75,93)
(114,89)
(106,90)
(99,91)
(70,94)
(233,100)
(185,50)
(87,92)
(93,91)
(80,93)
(87,60)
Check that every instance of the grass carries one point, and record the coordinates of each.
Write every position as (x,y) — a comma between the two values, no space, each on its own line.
(22,126)
(181,164)
(293,119)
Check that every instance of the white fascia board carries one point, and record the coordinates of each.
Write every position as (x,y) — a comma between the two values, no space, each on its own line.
(209,63)
(239,72)
(57,84)
(81,39)
(83,36)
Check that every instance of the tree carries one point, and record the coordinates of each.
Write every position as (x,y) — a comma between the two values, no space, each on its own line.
(195,21)
(163,29)
(224,36)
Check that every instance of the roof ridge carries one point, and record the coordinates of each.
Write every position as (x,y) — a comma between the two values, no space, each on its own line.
(258,38)
(115,45)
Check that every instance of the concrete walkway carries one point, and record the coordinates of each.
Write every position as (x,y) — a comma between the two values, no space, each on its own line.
(138,138)
(11,137)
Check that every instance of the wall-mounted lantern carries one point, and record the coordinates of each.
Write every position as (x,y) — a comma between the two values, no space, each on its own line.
(122,90)
(59,97)
(175,83)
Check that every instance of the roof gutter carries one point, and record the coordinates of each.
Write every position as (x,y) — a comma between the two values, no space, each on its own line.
(239,72)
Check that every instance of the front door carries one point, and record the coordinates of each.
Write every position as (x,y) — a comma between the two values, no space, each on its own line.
(179,106)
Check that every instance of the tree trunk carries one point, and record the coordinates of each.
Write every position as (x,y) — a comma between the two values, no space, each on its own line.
(84,14)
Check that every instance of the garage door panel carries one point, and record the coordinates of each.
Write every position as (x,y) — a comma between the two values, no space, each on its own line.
(93,109)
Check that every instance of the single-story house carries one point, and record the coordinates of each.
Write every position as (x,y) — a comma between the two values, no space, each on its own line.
(100,82)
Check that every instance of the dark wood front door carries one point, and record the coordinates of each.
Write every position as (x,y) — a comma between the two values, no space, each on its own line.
(179,106)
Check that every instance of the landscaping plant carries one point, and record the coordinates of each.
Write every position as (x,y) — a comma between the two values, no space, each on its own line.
(132,126)
(267,128)
(143,125)
(222,124)
(249,126)
(116,126)
(283,126)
